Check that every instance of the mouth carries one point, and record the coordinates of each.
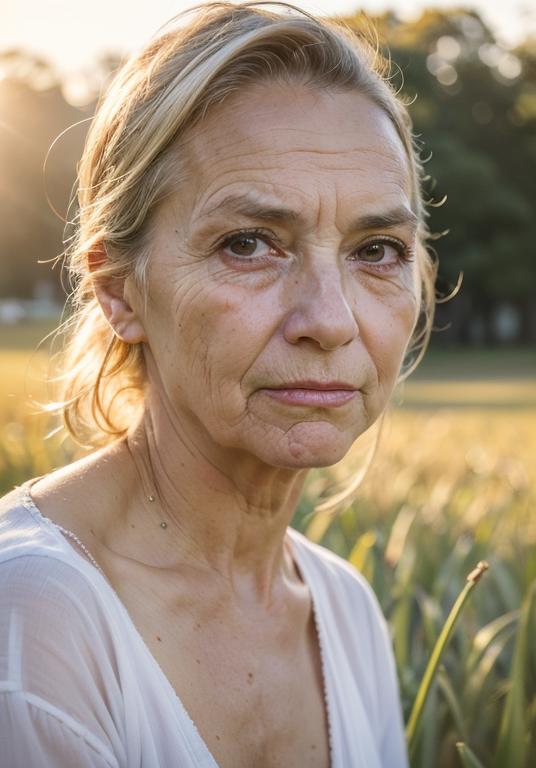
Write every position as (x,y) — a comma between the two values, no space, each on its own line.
(331,394)
(316,385)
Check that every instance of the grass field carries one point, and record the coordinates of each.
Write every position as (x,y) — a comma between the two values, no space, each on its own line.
(453,482)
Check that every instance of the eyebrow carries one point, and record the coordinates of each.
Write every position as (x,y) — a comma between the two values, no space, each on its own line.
(250,208)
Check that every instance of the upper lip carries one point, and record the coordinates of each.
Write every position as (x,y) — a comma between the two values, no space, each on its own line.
(310,384)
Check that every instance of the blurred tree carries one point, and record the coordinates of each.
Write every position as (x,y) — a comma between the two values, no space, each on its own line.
(473,105)
(33,112)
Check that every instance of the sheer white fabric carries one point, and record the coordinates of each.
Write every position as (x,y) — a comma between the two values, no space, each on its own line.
(79,686)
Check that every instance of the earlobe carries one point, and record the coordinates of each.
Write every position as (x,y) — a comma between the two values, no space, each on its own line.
(123,319)
(112,296)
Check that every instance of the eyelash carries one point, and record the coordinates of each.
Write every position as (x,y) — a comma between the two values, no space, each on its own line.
(405,253)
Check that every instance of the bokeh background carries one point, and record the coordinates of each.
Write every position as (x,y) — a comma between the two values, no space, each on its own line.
(454,478)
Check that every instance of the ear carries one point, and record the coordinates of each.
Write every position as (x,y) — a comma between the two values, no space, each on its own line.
(117,300)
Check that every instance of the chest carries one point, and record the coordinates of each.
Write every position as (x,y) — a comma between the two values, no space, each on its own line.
(256,694)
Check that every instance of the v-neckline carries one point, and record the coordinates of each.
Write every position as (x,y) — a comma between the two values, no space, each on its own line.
(202,750)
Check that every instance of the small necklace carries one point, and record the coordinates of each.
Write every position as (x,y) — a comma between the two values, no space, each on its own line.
(152,498)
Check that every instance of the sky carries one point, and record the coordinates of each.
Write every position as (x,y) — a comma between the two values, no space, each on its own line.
(71,33)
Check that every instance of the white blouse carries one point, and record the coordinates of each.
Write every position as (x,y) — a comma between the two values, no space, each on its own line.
(79,686)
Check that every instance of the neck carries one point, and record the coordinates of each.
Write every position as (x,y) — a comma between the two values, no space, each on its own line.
(224,511)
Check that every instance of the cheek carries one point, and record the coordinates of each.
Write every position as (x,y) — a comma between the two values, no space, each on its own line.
(219,332)
(386,316)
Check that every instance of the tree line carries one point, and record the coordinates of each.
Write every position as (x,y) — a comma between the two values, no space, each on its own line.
(473,106)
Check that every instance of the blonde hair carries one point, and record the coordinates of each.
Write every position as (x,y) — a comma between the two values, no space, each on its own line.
(132,160)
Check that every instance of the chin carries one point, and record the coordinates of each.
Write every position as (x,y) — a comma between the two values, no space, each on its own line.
(308,445)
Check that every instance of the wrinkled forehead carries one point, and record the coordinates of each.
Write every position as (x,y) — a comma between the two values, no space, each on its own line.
(299,138)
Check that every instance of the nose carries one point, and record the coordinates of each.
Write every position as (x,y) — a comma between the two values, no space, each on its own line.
(320,310)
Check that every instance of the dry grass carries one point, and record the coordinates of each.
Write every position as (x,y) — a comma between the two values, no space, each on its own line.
(453,482)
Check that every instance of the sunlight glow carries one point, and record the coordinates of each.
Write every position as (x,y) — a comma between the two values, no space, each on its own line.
(73,35)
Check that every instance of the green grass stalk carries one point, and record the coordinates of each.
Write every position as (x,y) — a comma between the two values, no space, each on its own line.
(437,652)
(468,758)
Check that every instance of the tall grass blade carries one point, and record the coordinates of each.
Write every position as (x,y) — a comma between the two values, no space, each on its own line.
(488,636)
(317,528)
(512,744)
(452,701)
(468,758)
(429,674)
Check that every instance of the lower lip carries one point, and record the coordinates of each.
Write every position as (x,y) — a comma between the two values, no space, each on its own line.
(320,398)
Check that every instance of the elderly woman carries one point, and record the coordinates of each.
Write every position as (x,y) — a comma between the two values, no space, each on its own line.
(251,277)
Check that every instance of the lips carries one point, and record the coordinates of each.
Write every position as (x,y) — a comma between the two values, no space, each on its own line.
(317,385)
(315,394)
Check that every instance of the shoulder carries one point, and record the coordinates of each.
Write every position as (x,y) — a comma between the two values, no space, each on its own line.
(22,527)
(60,682)
(52,616)
(26,532)
(50,596)
(58,650)
(44,581)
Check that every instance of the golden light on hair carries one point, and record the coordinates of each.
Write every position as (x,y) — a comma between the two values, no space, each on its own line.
(133,158)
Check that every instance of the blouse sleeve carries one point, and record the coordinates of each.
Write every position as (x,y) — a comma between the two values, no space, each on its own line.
(60,698)
(33,733)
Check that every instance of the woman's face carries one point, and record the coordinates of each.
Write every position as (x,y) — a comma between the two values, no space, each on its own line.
(284,263)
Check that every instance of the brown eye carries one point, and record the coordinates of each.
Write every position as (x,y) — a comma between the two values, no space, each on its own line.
(244,245)
(382,252)
(248,247)
(373,252)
